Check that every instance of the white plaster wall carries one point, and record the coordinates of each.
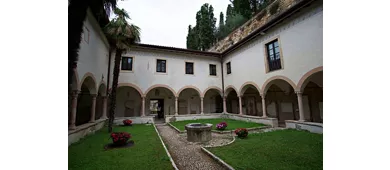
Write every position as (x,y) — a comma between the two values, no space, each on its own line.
(145,76)
(301,46)
(93,56)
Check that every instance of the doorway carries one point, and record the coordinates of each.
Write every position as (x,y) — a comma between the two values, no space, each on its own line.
(157,107)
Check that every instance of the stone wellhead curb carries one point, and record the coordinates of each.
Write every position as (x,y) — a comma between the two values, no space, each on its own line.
(166,150)
(220,161)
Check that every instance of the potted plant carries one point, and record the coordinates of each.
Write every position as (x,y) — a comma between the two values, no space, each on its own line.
(241,132)
(221,126)
(127,122)
(120,138)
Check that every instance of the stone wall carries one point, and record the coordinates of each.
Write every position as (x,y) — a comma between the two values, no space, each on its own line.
(253,24)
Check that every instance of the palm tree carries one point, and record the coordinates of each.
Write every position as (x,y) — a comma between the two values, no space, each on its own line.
(77,12)
(123,34)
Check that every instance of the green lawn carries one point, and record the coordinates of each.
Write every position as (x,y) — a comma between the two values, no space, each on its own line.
(277,150)
(232,124)
(147,152)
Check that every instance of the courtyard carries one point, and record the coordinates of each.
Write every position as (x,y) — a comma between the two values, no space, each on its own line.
(263,148)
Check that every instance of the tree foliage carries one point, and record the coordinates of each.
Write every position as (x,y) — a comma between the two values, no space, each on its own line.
(202,36)
(204,33)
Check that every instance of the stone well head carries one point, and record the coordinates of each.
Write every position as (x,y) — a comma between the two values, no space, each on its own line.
(198,132)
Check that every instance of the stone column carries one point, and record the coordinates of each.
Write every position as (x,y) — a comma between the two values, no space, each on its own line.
(176,105)
(143,107)
(201,105)
(72,125)
(264,106)
(300,106)
(93,108)
(104,112)
(224,105)
(240,104)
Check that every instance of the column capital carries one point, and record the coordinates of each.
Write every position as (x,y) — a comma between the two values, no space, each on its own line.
(298,92)
(224,98)
(201,98)
(104,97)
(75,93)
(94,95)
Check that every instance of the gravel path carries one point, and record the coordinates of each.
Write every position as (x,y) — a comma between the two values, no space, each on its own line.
(189,156)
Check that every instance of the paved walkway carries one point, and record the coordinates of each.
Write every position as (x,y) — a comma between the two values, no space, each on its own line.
(189,156)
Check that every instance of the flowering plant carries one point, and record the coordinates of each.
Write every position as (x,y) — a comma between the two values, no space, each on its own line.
(241,132)
(127,122)
(120,138)
(221,126)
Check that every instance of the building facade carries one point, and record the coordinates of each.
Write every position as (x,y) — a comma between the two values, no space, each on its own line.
(274,72)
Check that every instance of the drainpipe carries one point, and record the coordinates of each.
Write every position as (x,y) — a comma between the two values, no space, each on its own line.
(223,84)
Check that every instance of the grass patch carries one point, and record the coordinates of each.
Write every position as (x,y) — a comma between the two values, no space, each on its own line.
(232,124)
(279,150)
(147,153)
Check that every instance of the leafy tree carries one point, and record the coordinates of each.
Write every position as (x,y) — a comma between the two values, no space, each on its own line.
(202,36)
(123,34)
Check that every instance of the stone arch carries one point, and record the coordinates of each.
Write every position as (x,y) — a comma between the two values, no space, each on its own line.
(227,90)
(190,87)
(102,88)
(246,85)
(213,87)
(133,86)
(306,77)
(269,81)
(91,82)
(160,85)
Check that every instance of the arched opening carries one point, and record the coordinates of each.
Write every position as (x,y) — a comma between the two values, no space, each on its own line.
(189,102)
(160,101)
(312,97)
(128,102)
(232,101)
(99,101)
(212,101)
(251,101)
(281,101)
(84,101)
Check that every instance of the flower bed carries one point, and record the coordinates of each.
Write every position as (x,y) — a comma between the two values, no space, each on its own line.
(241,132)
(127,122)
(221,126)
(120,138)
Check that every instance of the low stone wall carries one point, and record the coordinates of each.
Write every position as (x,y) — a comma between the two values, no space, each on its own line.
(173,118)
(309,126)
(136,120)
(84,130)
(273,122)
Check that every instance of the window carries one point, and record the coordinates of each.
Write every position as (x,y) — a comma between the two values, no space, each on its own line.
(213,70)
(127,63)
(86,35)
(228,68)
(161,66)
(189,68)
(273,55)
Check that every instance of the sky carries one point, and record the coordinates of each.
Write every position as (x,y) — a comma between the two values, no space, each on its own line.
(165,22)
